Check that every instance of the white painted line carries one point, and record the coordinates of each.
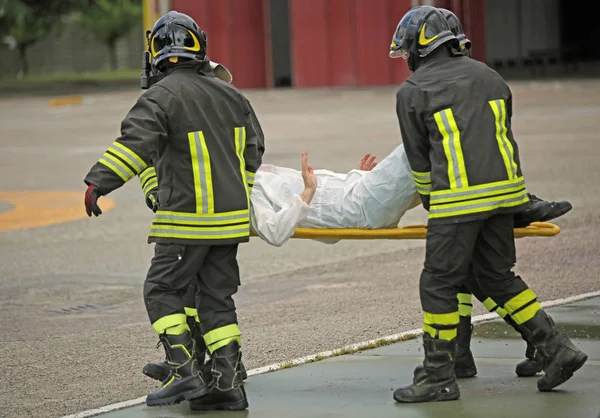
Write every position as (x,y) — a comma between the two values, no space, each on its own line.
(353,347)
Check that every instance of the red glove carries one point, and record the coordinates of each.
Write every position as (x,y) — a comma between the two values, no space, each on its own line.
(91,201)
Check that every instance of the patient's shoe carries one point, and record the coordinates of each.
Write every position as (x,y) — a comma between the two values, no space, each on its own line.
(540,210)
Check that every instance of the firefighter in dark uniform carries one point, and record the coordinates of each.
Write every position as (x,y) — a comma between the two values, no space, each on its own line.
(197,132)
(149,183)
(455,119)
(538,210)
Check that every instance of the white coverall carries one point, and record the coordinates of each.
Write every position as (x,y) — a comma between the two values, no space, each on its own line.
(359,199)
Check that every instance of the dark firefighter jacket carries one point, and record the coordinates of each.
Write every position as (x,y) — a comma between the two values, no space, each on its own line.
(205,143)
(455,119)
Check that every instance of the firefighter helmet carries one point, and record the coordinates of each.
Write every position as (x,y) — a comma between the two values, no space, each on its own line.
(456,28)
(422,30)
(174,36)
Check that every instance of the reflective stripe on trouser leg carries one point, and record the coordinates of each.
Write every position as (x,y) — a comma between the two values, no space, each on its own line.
(492,306)
(465,304)
(174,324)
(193,313)
(222,336)
(523,307)
(441,326)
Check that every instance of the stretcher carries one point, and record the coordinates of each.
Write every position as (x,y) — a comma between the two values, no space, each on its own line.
(536,229)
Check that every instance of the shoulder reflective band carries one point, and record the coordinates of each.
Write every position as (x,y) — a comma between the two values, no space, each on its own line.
(506,148)
(457,174)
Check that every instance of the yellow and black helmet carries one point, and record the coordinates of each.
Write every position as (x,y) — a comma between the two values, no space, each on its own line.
(457,29)
(422,30)
(174,36)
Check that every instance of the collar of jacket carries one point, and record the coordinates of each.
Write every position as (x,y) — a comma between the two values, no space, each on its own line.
(440,54)
(200,67)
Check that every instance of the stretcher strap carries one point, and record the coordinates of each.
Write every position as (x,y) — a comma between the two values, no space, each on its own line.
(536,229)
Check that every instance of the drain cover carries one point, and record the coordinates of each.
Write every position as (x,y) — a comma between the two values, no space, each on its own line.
(81,308)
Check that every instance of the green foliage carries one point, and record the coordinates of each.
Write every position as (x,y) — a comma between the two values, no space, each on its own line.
(24,22)
(109,20)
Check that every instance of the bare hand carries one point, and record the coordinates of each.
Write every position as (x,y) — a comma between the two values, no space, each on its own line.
(367,163)
(310,180)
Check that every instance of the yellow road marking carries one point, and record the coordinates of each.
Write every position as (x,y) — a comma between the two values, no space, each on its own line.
(37,208)
(65,101)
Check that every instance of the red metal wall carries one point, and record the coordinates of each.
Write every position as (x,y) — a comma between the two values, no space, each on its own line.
(472,15)
(345,42)
(236,36)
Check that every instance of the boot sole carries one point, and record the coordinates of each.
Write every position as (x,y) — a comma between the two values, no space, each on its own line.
(434,397)
(228,406)
(465,374)
(566,373)
(178,398)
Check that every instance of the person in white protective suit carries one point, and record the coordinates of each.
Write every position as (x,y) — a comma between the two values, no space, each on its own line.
(376,195)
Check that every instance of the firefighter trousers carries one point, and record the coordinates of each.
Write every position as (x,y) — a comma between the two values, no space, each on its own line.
(487,249)
(213,272)
(473,288)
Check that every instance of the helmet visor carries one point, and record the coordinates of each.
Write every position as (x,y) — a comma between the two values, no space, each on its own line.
(171,37)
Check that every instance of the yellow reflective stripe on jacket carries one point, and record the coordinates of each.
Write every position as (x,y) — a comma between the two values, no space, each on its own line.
(240,148)
(150,185)
(198,219)
(422,177)
(116,166)
(478,206)
(506,148)
(423,188)
(128,156)
(478,191)
(198,232)
(205,202)
(422,181)
(250,176)
(146,174)
(457,173)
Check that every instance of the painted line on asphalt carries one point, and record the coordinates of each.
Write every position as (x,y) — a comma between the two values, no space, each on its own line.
(403,336)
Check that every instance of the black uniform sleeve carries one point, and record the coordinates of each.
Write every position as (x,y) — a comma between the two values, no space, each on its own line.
(415,139)
(141,130)
(255,144)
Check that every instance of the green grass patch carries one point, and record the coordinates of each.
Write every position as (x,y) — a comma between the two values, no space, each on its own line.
(66,83)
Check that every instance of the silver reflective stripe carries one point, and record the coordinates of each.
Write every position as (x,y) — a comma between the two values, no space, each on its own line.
(503,131)
(112,165)
(451,147)
(475,192)
(422,177)
(208,218)
(216,233)
(149,172)
(482,205)
(202,169)
(423,189)
(131,159)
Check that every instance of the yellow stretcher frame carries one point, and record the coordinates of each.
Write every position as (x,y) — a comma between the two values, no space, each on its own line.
(536,229)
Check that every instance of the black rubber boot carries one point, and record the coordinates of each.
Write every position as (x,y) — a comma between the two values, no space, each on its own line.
(160,370)
(560,357)
(532,365)
(540,210)
(465,364)
(184,381)
(226,388)
(439,382)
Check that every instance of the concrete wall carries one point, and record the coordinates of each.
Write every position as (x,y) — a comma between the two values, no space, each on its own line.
(75,50)
(515,27)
